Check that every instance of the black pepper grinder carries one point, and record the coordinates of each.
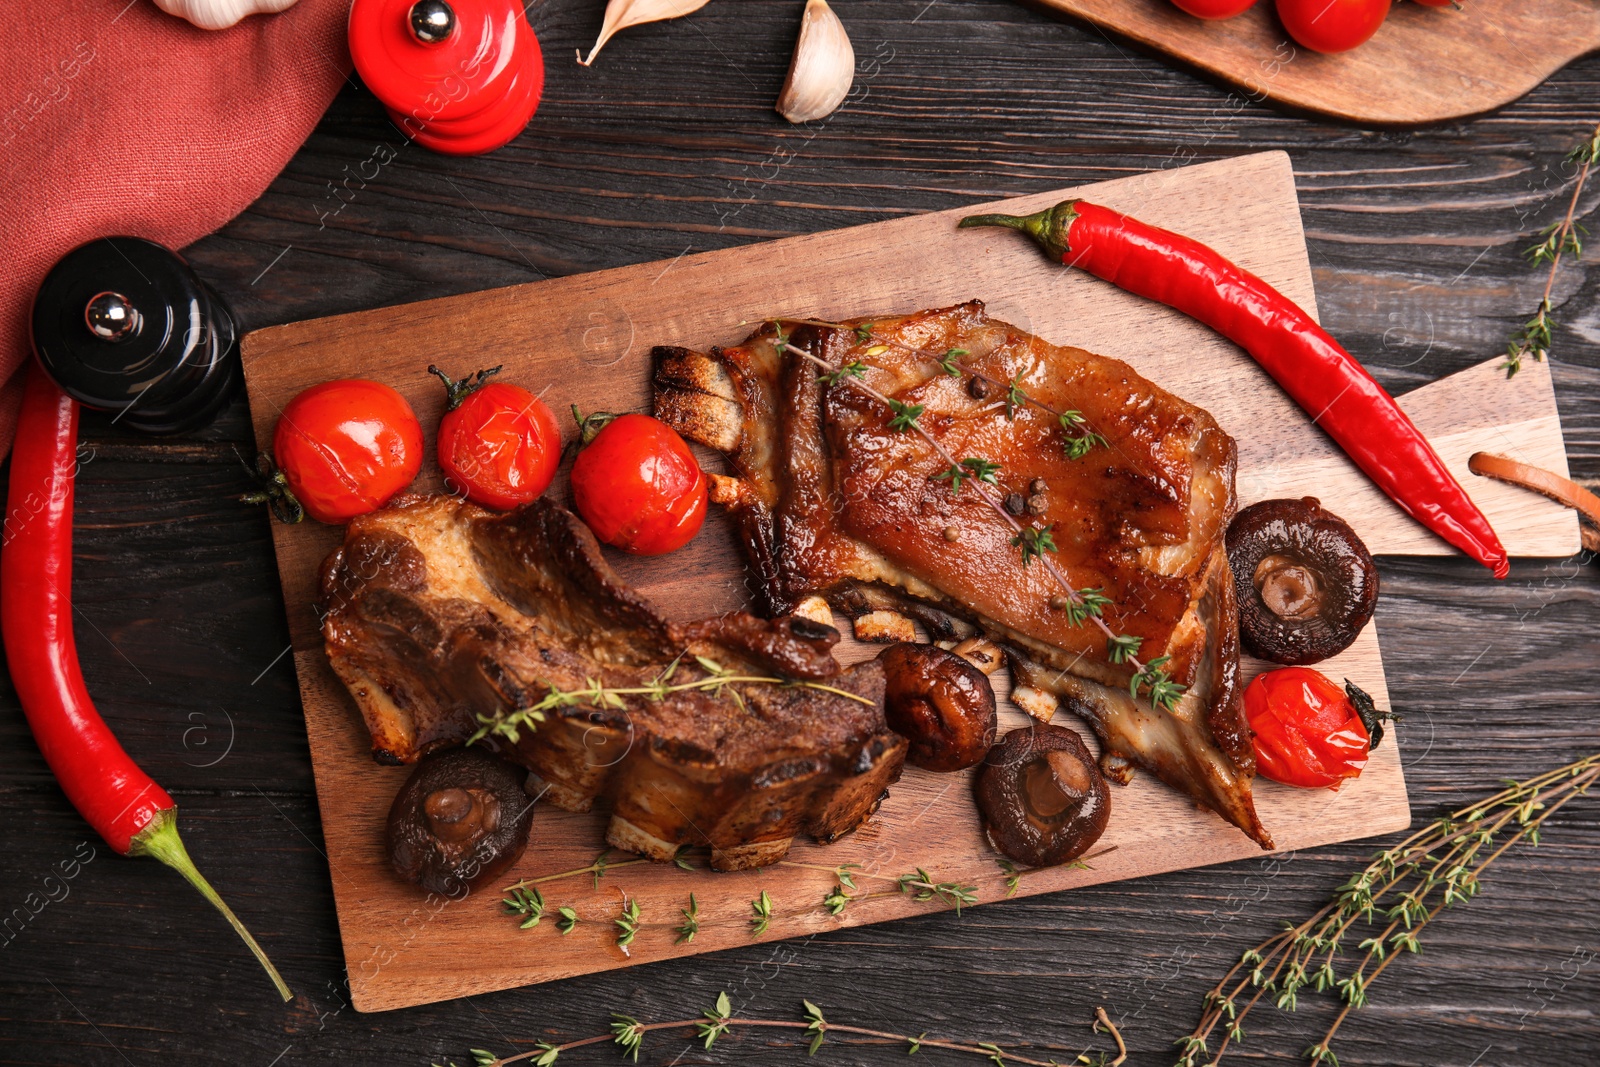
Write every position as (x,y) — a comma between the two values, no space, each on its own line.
(124,326)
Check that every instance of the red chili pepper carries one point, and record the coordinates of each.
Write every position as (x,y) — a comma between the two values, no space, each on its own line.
(132,812)
(1325,380)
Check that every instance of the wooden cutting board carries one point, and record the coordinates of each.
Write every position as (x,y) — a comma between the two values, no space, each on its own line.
(1423,65)
(587,340)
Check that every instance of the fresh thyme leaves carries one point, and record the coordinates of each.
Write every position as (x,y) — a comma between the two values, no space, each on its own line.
(1558,239)
(921,886)
(1015,397)
(1013,876)
(949,362)
(716,1020)
(691,922)
(1122,648)
(1153,680)
(813,1027)
(854,369)
(628,1033)
(974,467)
(837,900)
(816,1026)
(599,866)
(627,923)
(527,903)
(1393,899)
(1035,541)
(905,415)
(1035,544)
(1091,602)
(761,914)
(864,332)
(1077,440)
(566,919)
(718,682)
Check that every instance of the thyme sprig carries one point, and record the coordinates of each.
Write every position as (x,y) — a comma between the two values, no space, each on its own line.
(812,1028)
(596,867)
(1393,899)
(1151,678)
(1078,442)
(717,681)
(1557,239)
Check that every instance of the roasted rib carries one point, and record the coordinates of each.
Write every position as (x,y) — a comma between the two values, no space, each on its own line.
(439,612)
(833,501)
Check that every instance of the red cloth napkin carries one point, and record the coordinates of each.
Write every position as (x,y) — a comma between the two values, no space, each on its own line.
(126,120)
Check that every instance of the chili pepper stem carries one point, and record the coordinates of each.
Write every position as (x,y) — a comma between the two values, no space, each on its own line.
(160,839)
(1048,227)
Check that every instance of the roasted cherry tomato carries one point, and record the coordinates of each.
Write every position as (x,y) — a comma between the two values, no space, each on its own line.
(498,443)
(1332,25)
(638,486)
(345,447)
(1308,732)
(1214,9)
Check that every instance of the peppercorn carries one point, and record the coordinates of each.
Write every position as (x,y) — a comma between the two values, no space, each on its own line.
(1037,486)
(1015,504)
(952,533)
(978,388)
(1037,504)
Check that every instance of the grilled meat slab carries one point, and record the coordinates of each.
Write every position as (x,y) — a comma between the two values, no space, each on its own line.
(439,612)
(833,501)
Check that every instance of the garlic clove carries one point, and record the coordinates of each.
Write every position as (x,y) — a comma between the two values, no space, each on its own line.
(620,14)
(220,14)
(822,69)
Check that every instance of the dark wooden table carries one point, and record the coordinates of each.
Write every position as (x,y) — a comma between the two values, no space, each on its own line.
(669,144)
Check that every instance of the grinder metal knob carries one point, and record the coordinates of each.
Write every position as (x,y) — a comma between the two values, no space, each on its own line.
(110,317)
(432,21)
(124,326)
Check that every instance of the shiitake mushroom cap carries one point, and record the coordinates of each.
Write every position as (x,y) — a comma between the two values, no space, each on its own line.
(940,703)
(1042,799)
(1306,584)
(461,818)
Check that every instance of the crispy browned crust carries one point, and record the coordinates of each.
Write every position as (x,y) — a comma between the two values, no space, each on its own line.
(440,612)
(831,501)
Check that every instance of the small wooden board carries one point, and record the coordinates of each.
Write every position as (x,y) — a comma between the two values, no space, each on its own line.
(588,339)
(1423,65)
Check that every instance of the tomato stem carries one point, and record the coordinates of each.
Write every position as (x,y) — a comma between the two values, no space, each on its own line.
(274,491)
(457,391)
(160,839)
(590,425)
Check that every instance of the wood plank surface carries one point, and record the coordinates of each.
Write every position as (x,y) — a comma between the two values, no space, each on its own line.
(1423,65)
(669,144)
(586,340)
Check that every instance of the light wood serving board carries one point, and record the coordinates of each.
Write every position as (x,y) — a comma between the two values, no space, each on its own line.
(588,339)
(1423,65)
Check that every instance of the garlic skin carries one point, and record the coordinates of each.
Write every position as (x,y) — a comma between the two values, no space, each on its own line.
(220,14)
(823,67)
(620,14)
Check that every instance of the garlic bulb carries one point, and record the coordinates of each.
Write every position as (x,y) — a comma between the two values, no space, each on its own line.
(822,69)
(620,14)
(220,14)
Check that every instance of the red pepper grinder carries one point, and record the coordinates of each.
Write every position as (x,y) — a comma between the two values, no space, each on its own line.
(461,77)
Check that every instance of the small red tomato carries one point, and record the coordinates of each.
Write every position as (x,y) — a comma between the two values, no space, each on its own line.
(345,447)
(1214,9)
(1332,25)
(1308,732)
(498,443)
(638,486)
